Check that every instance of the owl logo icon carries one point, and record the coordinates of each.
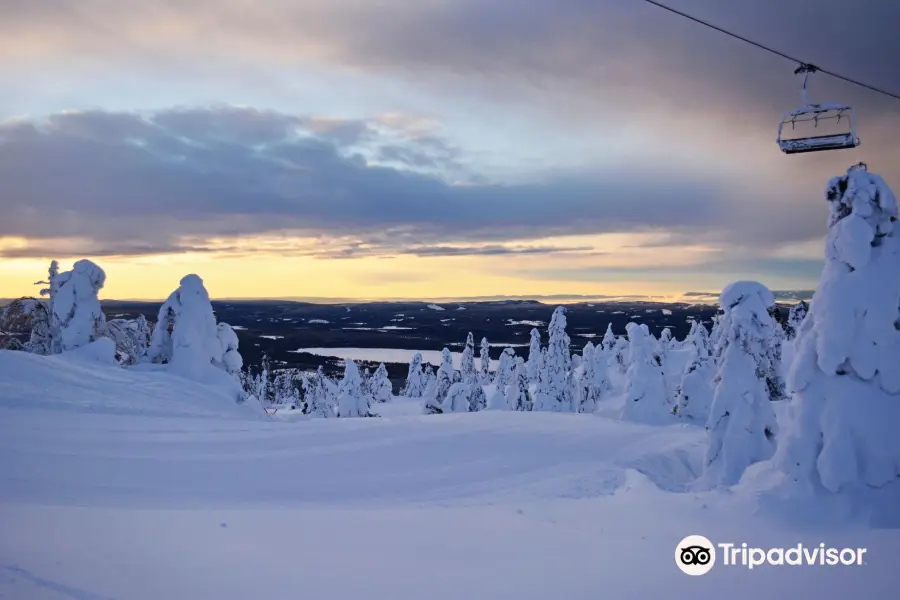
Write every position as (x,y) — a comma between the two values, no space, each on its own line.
(695,555)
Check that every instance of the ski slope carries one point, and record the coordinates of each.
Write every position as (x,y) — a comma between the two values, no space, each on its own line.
(139,484)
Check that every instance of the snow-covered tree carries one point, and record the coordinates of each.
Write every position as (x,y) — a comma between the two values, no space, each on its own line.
(25,317)
(445,378)
(458,398)
(415,380)
(132,338)
(695,392)
(318,396)
(231,361)
(715,334)
(366,383)
(646,399)
(534,364)
(47,340)
(429,379)
(506,368)
(554,383)
(477,398)
(467,361)
(381,388)
(523,397)
(590,387)
(193,340)
(795,318)
(845,379)
(484,362)
(431,404)
(693,331)
(609,340)
(76,307)
(665,339)
(698,341)
(620,353)
(262,385)
(352,401)
(286,393)
(500,400)
(741,426)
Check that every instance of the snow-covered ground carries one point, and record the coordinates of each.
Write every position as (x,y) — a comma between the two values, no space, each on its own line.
(138,484)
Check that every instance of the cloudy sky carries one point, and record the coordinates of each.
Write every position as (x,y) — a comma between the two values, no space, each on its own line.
(426,148)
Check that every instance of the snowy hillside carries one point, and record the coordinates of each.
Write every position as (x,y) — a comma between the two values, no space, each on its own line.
(132,484)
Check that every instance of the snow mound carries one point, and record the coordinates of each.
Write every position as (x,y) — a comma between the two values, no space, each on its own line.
(751,295)
(89,380)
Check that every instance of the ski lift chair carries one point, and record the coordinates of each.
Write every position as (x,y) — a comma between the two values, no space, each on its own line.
(816,113)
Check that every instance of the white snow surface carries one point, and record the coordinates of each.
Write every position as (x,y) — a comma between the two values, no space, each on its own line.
(435,307)
(136,483)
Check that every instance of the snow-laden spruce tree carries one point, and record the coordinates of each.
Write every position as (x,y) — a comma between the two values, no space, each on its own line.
(555,393)
(131,337)
(317,396)
(665,339)
(365,378)
(590,388)
(620,353)
(506,368)
(692,332)
(76,307)
(286,392)
(534,364)
(467,360)
(415,379)
(499,399)
(192,341)
(48,341)
(702,334)
(695,391)
(25,316)
(609,340)
(502,398)
(446,374)
(458,398)
(646,399)
(715,335)
(795,318)
(523,400)
(429,377)
(741,427)
(484,362)
(845,411)
(231,361)
(469,373)
(352,402)
(382,390)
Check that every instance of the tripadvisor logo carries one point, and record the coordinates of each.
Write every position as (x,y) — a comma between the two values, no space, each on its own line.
(696,555)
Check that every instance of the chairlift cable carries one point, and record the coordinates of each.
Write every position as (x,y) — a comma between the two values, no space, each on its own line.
(803,64)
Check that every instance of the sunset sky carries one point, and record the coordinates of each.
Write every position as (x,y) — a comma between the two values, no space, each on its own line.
(427,148)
